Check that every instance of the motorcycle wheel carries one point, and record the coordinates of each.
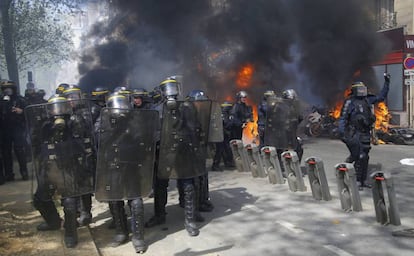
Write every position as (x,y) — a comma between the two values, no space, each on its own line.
(315,130)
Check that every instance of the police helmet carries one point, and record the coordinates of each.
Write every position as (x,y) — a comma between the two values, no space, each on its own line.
(61,87)
(241,94)
(30,92)
(359,89)
(72,92)
(100,94)
(119,101)
(196,95)
(269,93)
(58,106)
(41,93)
(169,88)
(139,92)
(226,106)
(8,87)
(122,90)
(289,94)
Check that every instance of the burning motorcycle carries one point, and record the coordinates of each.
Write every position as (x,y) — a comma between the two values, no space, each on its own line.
(321,122)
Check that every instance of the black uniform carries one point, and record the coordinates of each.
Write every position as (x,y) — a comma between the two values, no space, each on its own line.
(355,124)
(223,149)
(240,114)
(13,127)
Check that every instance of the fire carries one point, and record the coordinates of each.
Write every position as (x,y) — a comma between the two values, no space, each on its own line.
(383,117)
(244,76)
(243,81)
(380,110)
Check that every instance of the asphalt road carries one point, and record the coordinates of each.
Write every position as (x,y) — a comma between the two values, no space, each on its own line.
(253,217)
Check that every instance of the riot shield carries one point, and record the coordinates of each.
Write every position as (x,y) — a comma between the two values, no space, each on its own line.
(277,123)
(126,153)
(184,137)
(62,145)
(215,132)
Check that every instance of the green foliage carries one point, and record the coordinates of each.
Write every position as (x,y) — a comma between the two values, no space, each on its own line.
(41,31)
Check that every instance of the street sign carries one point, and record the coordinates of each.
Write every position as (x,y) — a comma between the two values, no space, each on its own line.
(409,63)
(408,72)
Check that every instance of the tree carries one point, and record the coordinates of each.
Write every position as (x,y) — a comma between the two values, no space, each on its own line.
(34,33)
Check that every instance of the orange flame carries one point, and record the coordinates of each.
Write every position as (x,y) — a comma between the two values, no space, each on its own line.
(244,76)
(244,80)
(380,110)
(383,117)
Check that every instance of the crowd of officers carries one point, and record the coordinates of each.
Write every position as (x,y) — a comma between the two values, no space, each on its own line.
(193,187)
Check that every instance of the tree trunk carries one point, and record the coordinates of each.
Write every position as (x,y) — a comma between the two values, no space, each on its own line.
(9,49)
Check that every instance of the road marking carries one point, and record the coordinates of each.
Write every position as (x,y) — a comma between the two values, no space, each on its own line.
(252,207)
(407,161)
(290,226)
(225,193)
(337,250)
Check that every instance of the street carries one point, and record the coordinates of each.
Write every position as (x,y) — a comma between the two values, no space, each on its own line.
(253,217)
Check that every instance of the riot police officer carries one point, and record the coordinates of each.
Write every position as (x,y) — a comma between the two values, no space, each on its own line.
(61,137)
(140,99)
(261,113)
(180,135)
(240,115)
(115,120)
(13,128)
(99,96)
(294,118)
(223,149)
(355,125)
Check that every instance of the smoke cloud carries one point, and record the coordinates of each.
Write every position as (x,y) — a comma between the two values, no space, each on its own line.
(314,47)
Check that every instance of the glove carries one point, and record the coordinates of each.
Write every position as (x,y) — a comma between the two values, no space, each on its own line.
(387,77)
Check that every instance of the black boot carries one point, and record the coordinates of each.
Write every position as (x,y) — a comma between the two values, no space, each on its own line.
(71,224)
(189,210)
(86,206)
(112,223)
(204,204)
(137,225)
(197,198)
(180,193)
(49,213)
(160,200)
(20,153)
(121,229)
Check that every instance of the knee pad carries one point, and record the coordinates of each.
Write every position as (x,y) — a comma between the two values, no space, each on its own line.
(137,203)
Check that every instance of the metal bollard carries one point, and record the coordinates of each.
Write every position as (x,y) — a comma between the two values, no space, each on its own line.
(347,187)
(272,165)
(239,155)
(386,209)
(317,179)
(294,174)
(255,161)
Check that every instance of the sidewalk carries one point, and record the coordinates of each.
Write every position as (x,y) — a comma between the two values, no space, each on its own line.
(18,221)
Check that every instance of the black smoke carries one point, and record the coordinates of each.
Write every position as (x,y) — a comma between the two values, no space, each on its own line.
(312,46)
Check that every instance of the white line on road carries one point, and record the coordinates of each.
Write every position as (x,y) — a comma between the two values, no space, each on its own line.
(337,250)
(290,226)
(252,207)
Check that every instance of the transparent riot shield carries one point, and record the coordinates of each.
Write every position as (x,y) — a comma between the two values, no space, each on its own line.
(347,187)
(277,123)
(126,153)
(184,137)
(215,132)
(62,146)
